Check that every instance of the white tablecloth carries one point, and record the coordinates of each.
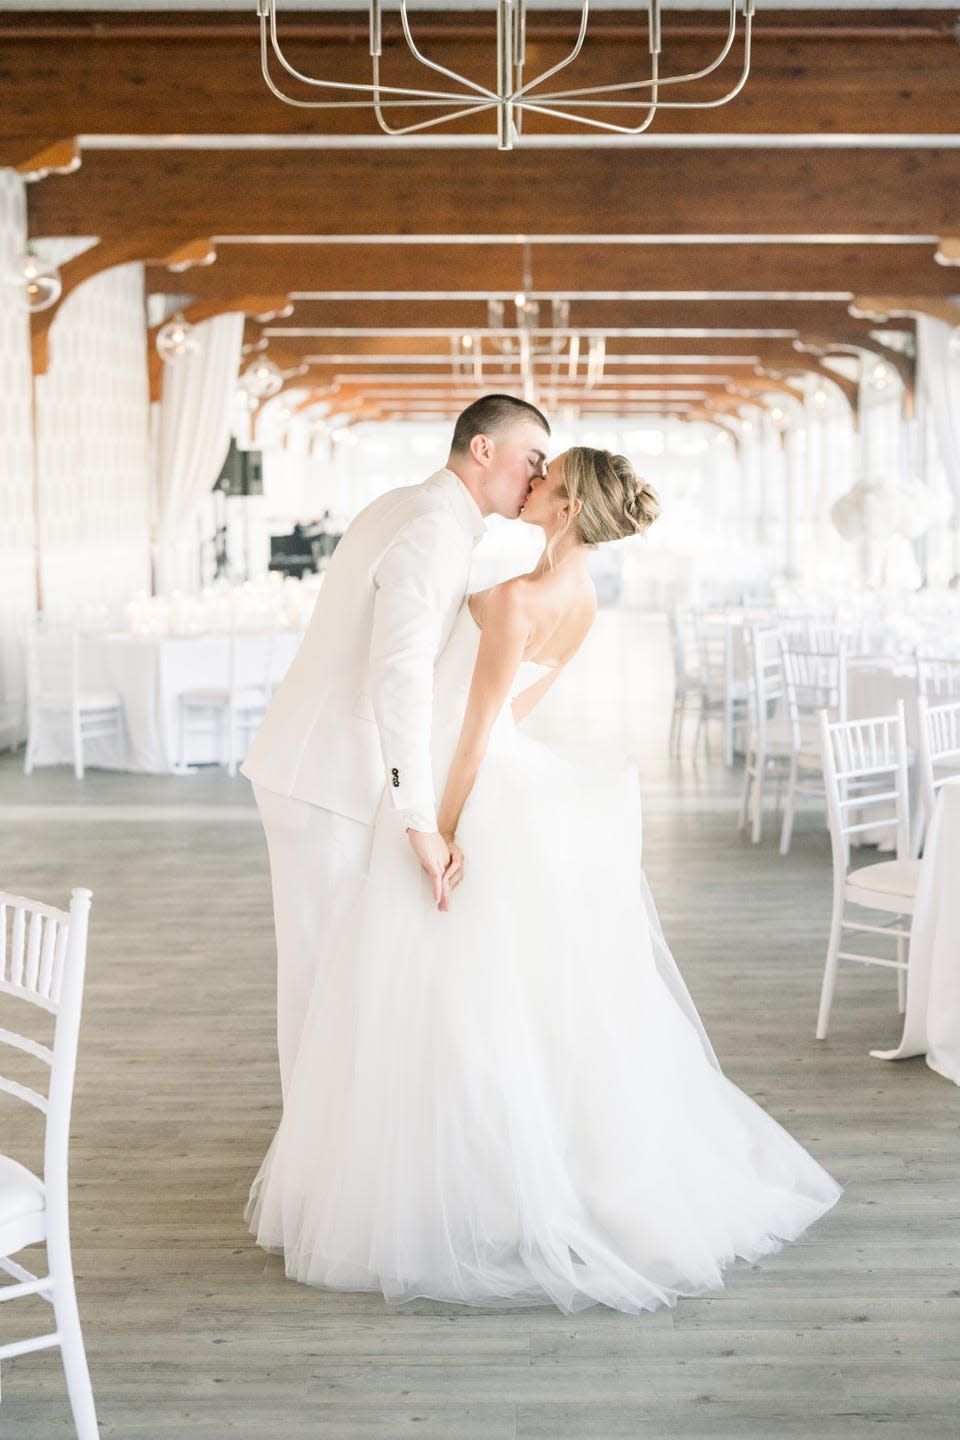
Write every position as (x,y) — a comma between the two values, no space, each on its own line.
(149,673)
(932,1023)
(874,689)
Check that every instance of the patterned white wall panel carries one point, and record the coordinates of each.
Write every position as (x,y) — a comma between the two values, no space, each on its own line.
(92,435)
(16,460)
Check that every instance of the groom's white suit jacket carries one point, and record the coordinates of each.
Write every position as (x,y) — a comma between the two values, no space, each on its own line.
(353,713)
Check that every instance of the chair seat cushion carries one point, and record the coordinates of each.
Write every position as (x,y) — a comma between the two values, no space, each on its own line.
(87,700)
(99,700)
(889,877)
(248,697)
(21,1193)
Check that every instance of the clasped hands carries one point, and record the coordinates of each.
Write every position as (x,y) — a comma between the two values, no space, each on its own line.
(441,860)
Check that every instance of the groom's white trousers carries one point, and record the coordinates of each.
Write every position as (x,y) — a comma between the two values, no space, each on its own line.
(318,861)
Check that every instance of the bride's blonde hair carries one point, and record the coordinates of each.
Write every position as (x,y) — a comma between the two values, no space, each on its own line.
(614,501)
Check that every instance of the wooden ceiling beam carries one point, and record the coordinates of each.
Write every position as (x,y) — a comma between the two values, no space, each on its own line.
(141,195)
(565,269)
(383,349)
(861,71)
(787,315)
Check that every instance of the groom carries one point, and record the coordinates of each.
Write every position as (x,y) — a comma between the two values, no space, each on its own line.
(352,716)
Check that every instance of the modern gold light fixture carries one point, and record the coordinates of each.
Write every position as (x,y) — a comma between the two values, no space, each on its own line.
(514,97)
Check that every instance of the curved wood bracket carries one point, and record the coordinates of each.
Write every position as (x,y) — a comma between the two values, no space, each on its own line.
(200,251)
(98,258)
(807,364)
(698,415)
(889,307)
(905,366)
(61,158)
(948,250)
(202,310)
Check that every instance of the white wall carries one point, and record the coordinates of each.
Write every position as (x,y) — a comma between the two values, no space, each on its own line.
(16,461)
(93,448)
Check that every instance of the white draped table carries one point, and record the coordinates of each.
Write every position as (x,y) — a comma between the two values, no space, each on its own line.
(875,686)
(149,672)
(932,1022)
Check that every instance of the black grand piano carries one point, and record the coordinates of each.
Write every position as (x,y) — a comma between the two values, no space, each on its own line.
(305,550)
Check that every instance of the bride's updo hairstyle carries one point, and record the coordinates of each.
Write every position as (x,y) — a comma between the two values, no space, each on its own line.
(614,501)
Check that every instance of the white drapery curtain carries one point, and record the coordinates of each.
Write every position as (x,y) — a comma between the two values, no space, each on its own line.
(192,443)
(940,378)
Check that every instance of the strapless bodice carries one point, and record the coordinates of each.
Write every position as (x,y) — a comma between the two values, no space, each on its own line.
(455,666)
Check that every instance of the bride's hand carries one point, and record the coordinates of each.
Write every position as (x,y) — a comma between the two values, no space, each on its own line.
(453,873)
(433,853)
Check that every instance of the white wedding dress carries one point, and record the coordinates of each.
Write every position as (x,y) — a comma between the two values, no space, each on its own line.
(514,1103)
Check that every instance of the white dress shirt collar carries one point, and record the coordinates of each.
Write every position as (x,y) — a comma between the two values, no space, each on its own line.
(462,502)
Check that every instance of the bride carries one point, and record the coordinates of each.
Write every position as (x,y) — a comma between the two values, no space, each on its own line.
(508,1099)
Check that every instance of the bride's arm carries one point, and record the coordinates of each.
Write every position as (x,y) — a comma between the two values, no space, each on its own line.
(506,633)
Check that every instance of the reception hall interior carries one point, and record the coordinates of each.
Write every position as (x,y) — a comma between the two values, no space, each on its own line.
(256,257)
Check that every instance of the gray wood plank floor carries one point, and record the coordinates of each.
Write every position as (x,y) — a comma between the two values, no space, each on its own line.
(193,1332)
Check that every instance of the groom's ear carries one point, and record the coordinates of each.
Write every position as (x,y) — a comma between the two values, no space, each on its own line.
(481,449)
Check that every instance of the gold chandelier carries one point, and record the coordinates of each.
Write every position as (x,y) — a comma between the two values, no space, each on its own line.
(514,96)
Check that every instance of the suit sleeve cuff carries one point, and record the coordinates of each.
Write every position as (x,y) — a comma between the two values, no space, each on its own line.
(419,820)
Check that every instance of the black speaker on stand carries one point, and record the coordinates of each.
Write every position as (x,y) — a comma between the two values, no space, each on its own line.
(241,476)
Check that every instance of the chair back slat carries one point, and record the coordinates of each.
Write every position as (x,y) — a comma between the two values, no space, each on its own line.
(34,937)
(28,1046)
(59,961)
(26,1093)
(20,992)
(51,931)
(17,945)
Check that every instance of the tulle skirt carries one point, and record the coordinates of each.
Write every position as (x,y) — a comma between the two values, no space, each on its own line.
(514,1103)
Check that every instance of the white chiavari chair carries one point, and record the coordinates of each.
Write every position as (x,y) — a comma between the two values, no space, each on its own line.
(42,961)
(769,737)
(795,630)
(233,704)
(813,681)
(686,684)
(938,749)
(865,765)
(57,702)
(938,677)
(824,637)
(723,696)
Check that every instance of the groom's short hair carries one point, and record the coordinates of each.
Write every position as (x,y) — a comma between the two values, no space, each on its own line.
(490,414)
